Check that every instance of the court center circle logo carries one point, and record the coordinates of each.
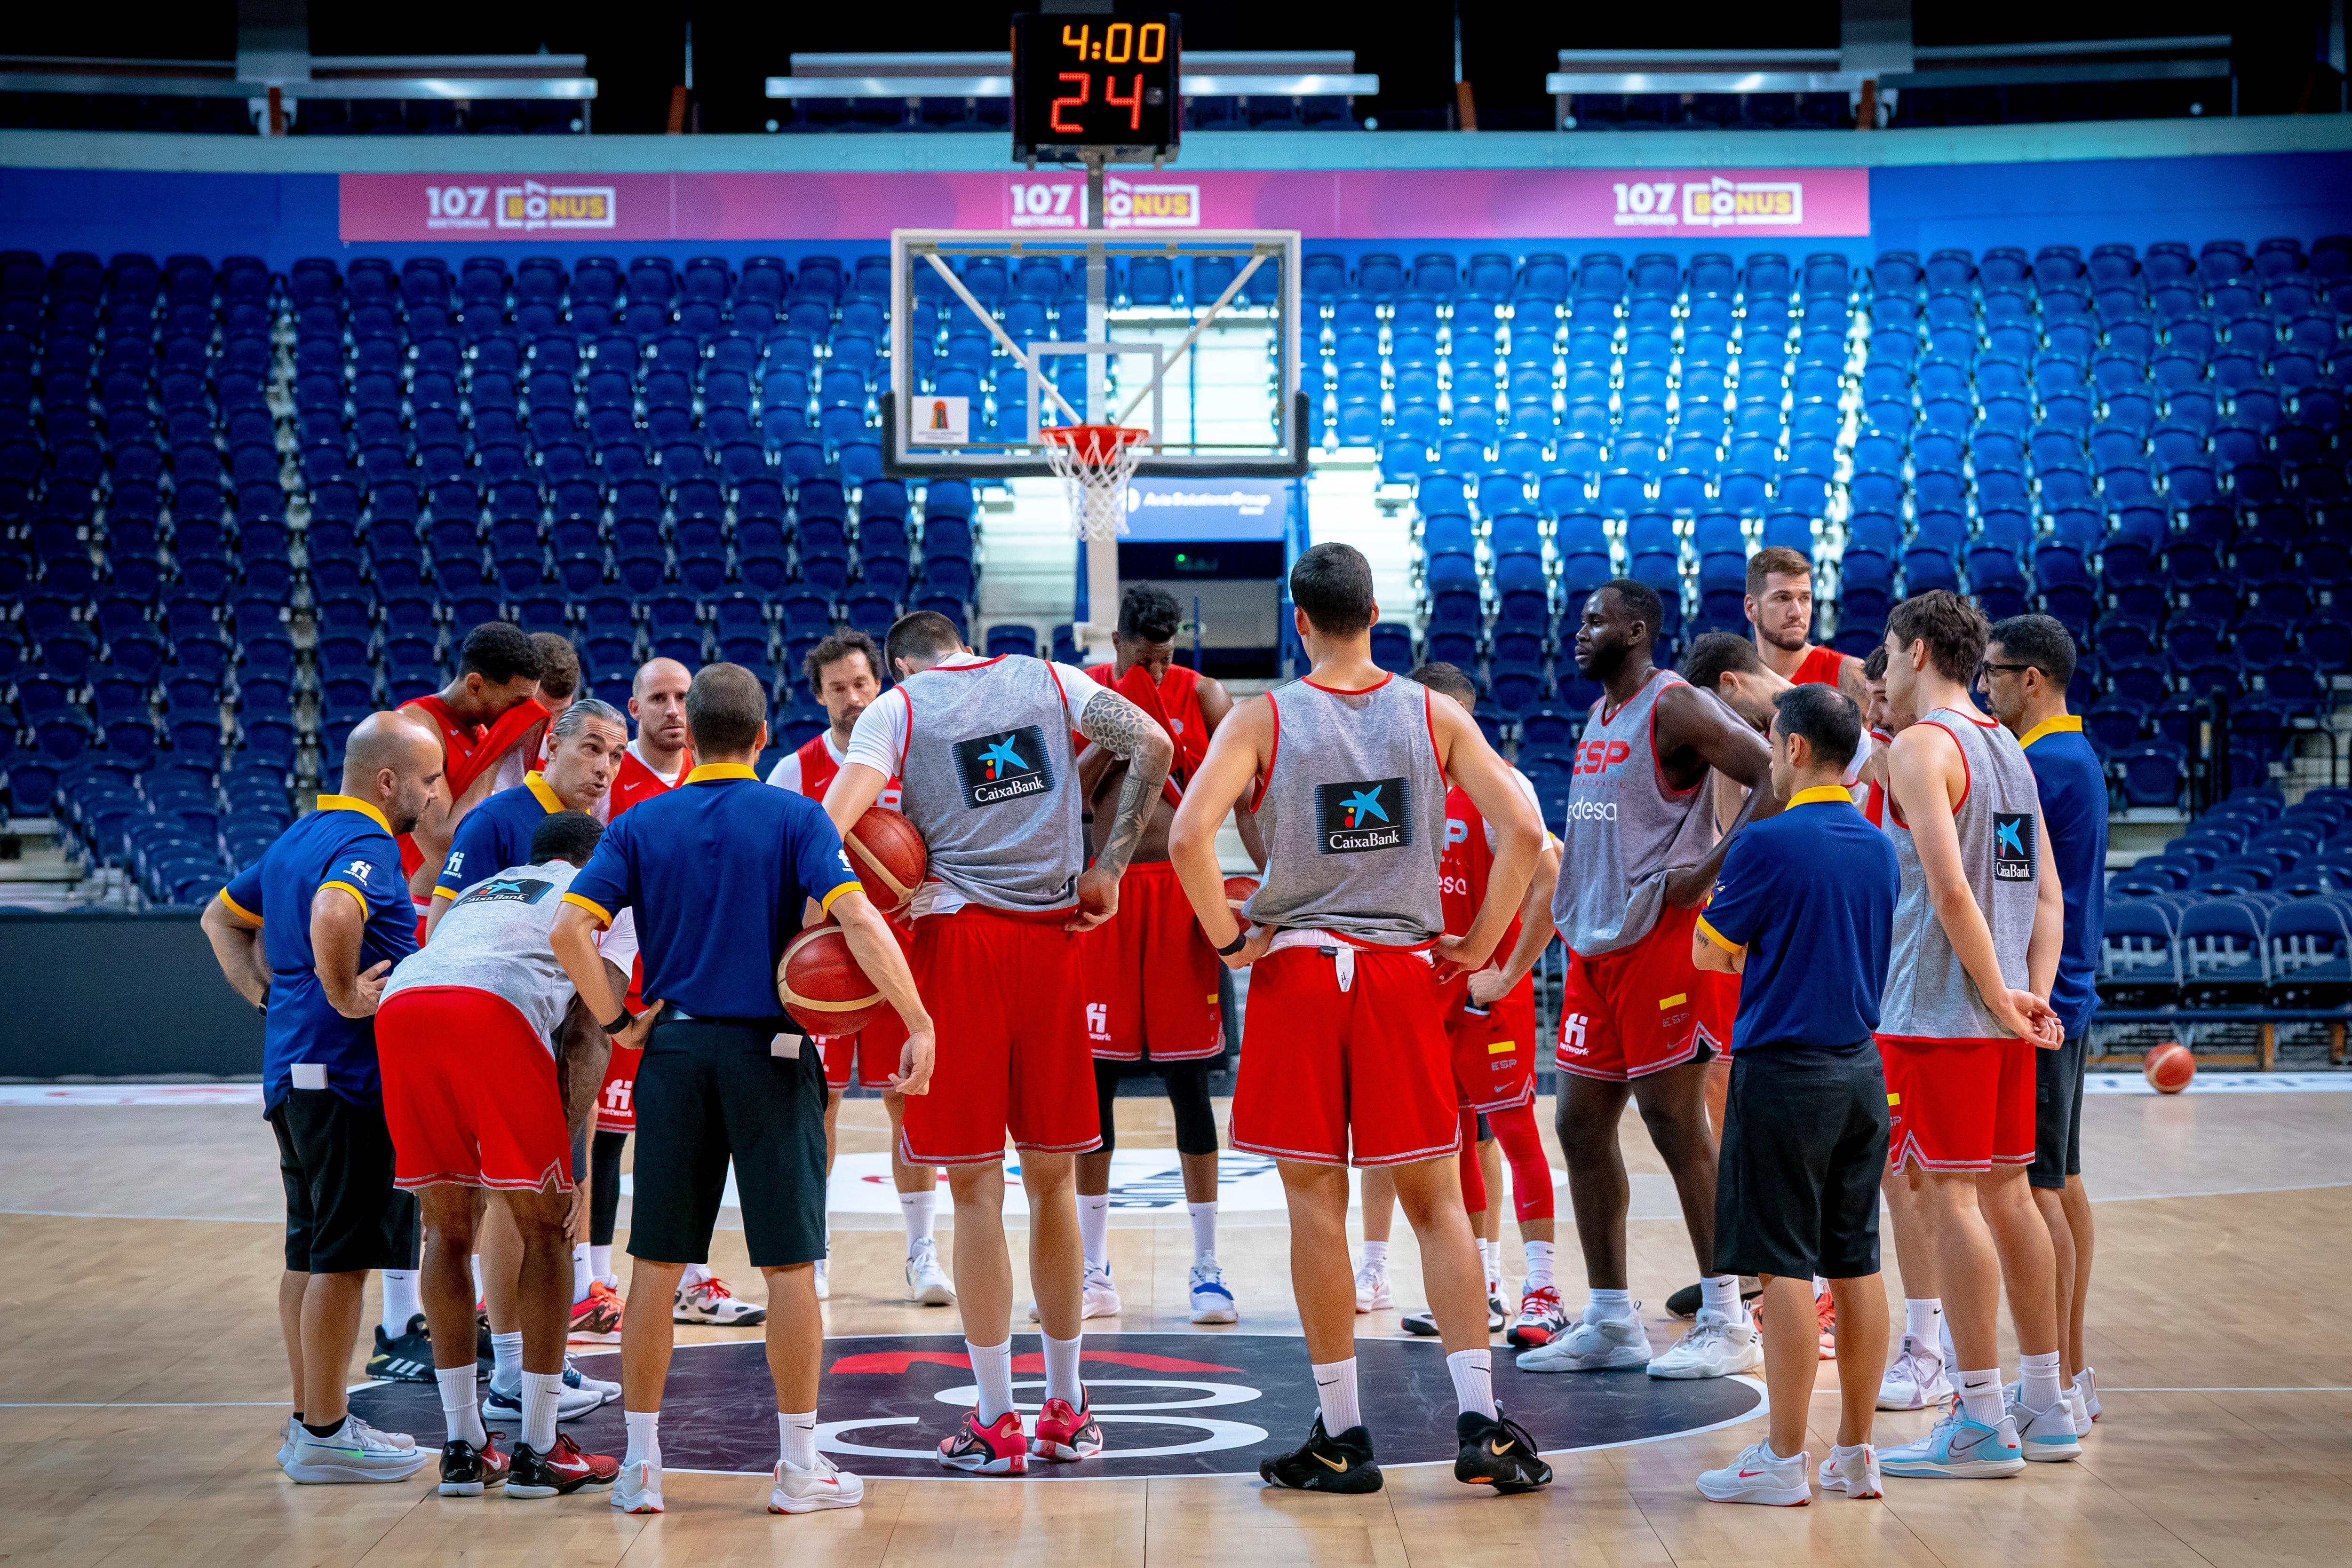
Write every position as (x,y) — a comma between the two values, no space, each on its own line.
(1170,1403)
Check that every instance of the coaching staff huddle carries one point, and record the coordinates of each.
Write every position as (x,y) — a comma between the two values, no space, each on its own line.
(720,872)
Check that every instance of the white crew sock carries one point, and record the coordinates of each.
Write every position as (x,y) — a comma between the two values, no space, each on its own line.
(991,1368)
(400,1301)
(1061,1370)
(645,1437)
(1335,1389)
(600,1262)
(1923,1319)
(1473,1381)
(1844,1454)
(1980,1395)
(1721,1292)
(1539,1275)
(582,1272)
(1486,1265)
(474,1262)
(916,1209)
(1376,1257)
(2040,1376)
(457,1407)
(1204,1228)
(1094,1229)
(798,1431)
(505,1365)
(1772,1457)
(1617,1306)
(541,1392)
(694,1274)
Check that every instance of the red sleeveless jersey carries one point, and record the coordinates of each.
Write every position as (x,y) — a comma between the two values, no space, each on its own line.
(635,783)
(1819,667)
(1175,703)
(468,750)
(818,770)
(1461,871)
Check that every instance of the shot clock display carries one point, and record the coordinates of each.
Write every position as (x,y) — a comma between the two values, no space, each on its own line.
(1090,81)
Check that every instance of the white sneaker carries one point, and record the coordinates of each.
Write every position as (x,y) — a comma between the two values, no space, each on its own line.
(1854,1473)
(352,1452)
(1592,1344)
(287,1440)
(1915,1381)
(927,1284)
(1213,1299)
(1372,1292)
(708,1301)
(637,1489)
(2046,1436)
(1758,1474)
(503,1407)
(2080,1404)
(2087,1381)
(1101,1298)
(824,1285)
(1715,1347)
(806,1492)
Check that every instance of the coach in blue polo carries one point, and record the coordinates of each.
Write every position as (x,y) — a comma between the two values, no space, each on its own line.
(722,873)
(1803,913)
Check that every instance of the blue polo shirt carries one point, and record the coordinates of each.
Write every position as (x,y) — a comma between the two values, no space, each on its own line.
(343,850)
(718,871)
(2073,790)
(1810,894)
(495,835)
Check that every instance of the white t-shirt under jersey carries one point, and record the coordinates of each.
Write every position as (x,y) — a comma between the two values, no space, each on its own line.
(879,741)
(786,773)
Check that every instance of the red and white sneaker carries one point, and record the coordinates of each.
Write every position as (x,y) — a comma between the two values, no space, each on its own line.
(708,1301)
(597,1319)
(1541,1321)
(1065,1434)
(562,1469)
(1000,1449)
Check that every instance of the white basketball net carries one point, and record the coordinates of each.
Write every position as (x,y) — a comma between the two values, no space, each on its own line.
(1093,462)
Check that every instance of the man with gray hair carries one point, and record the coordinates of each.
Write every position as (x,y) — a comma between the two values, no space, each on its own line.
(583,752)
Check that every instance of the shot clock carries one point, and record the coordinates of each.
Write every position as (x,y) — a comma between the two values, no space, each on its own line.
(1093,83)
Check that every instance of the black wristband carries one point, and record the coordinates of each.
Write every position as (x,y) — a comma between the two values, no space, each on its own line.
(1241,940)
(624,1021)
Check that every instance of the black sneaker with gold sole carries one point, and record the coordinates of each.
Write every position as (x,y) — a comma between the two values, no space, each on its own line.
(1325,1463)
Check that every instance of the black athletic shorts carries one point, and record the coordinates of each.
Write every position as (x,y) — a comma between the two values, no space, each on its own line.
(708,1090)
(1804,1144)
(343,1215)
(2058,1114)
(1188,1097)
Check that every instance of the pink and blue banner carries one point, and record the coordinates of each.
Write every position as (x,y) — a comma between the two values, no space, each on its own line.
(1329,204)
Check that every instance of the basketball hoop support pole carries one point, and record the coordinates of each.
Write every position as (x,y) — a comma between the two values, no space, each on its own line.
(1093,634)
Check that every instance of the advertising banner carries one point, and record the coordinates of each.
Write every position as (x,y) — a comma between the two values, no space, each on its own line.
(1334,205)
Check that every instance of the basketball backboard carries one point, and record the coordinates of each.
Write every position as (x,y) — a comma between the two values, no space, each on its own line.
(996,334)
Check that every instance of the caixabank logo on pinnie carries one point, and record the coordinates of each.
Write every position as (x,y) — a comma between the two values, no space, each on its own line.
(1008,765)
(1363,814)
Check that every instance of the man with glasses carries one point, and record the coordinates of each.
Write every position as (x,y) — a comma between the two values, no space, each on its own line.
(2029,660)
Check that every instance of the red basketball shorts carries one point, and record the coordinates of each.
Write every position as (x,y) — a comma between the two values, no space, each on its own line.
(1003,992)
(1642,1008)
(1958,1105)
(469,1092)
(1494,1049)
(1150,975)
(1330,1076)
(869,1056)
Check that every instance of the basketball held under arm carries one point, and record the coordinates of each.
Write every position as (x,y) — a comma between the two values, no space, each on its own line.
(1238,751)
(879,955)
(852,794)
(1473,765)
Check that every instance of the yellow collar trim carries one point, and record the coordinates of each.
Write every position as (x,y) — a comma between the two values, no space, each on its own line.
(1821,795)
(2064,724)
(354,803)
(537,784)
(708,772)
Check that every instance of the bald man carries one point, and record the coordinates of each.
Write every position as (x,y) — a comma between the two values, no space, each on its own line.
(308,935)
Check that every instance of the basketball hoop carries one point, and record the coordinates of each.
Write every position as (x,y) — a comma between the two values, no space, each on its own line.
(1093,462)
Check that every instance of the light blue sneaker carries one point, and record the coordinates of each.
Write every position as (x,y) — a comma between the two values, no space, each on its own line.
(1957,1448)
(1212,1301)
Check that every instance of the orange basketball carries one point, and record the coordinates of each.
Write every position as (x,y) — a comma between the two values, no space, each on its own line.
(889,858)
(2169,1067)
(821,985)
(1238,890)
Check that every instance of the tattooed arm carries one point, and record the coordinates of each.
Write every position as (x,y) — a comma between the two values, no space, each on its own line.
(1121,729)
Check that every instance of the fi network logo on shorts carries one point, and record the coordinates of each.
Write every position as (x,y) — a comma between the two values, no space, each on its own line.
(1363,814)
(532,206)
(1005,765)
(2013,846)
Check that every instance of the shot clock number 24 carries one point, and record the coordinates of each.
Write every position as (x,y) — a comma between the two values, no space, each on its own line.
(1095,83)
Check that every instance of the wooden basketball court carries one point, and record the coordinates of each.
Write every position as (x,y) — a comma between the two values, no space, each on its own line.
(141,1386)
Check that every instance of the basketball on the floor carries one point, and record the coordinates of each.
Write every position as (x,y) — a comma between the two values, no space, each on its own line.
(821,985)
(889,856)
(1238,891)
(2169,1067)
